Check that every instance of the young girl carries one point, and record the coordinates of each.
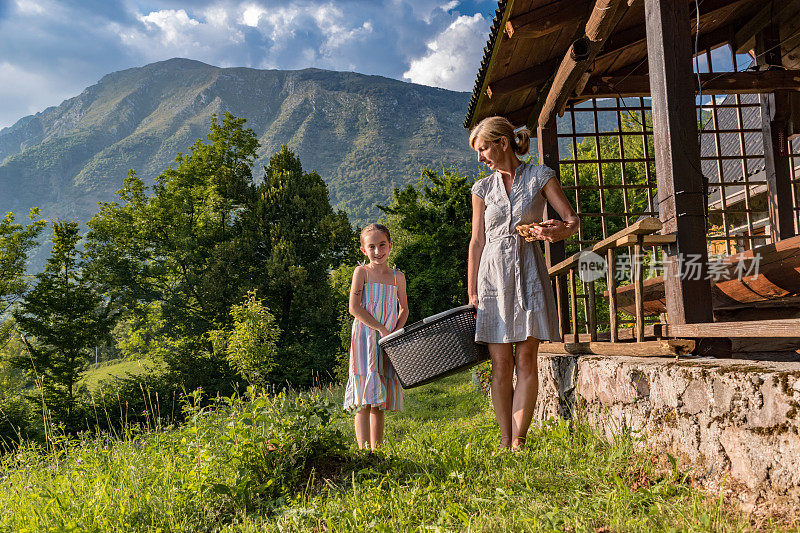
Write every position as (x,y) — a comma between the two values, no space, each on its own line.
(378,303)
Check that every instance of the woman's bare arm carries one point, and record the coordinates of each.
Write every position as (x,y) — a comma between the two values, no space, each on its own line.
(476,244)
(356,309)
(557,230)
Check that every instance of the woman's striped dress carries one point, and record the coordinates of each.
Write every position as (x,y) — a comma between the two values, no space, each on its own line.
(372,379)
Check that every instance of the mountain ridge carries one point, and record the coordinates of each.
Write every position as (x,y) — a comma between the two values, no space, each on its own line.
(364,134)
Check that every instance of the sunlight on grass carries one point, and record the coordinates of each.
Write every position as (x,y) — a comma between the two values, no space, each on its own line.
(104,373)
(289,463)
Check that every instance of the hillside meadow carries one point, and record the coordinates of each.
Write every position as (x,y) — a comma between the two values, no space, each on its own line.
(288,462)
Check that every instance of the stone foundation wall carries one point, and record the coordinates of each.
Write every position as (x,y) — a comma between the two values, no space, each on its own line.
(735,422)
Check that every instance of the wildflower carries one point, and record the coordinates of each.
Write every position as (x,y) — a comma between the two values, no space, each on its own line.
(79,461)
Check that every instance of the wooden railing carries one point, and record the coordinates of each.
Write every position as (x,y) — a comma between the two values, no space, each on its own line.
(639,235)
(657,339)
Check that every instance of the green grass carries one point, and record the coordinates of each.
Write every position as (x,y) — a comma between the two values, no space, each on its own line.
(283,464)
(106,372)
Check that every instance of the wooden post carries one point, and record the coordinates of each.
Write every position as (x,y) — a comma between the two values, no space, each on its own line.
(638,282)
(573,303)
(611,281)
(590,303)
(554,252)
(677,154)
(774,108)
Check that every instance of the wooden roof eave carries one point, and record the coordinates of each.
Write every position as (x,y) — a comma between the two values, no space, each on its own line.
(753,82)
(620,56)
(576,62)
(491,47)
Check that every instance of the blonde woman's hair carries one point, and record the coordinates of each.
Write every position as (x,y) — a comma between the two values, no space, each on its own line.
(492,129)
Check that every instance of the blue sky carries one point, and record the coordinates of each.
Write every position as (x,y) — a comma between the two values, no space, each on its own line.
(51,50)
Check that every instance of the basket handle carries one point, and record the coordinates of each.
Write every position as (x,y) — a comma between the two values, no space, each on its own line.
(392,335)
(446,313)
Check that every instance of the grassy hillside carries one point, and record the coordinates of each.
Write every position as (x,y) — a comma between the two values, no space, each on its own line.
(283,464)
(108,371)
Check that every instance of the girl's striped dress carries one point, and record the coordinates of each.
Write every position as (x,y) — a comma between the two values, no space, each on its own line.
(372,379)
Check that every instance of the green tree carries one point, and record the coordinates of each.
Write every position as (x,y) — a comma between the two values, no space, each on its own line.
(431,226)
(291,239)
(62,317)
(165,253)
(616,199)
(182,256)
(16,240)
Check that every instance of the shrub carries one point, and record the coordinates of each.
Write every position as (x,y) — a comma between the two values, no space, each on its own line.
(252,346)
(241,454)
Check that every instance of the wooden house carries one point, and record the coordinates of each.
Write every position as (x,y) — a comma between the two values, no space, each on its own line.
(659,182)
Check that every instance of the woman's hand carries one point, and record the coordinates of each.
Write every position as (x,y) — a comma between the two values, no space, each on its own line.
(551,231)
(473,300)
(383,331)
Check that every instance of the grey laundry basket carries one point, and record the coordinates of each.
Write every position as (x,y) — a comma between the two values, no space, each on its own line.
(435,347)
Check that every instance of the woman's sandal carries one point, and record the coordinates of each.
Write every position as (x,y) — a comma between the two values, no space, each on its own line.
(519,445)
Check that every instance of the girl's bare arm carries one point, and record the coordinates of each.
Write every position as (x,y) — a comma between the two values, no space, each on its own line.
(356,291)
(402,299)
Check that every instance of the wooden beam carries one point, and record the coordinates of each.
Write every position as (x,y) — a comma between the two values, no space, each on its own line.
(677,154)
(545,19)
(554,252)
(711,83)
(651,332)
(772,11)
(522,80)
(787,327)
(774,127)
(576,62)
(659,348)
(636,35)
(644,226)
(647,240)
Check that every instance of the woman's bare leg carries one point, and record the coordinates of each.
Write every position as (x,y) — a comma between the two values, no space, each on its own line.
(376,418)
(502,388)
(362,427)
(526,391)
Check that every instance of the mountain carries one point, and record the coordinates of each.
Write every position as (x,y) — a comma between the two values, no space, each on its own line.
(363,134)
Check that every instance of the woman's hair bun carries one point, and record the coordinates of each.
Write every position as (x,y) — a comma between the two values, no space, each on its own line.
(522,141)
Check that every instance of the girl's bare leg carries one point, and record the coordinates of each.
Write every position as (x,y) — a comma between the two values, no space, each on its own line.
(502,388)
(362,427)
(376,422)
(526,391)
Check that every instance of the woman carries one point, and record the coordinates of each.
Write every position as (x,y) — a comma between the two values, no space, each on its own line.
(507,278)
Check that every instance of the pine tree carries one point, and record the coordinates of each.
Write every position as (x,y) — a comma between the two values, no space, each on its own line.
(62,318)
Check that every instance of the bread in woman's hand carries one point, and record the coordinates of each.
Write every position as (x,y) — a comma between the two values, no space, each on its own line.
(525,230)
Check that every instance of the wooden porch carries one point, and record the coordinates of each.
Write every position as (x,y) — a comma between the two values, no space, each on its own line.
(548,61)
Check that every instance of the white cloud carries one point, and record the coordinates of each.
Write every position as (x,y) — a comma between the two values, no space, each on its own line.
(59,47)
(30,7)
(252,14)
(173,32)
(449,6)
(453,57)
(172,24)
(24,92)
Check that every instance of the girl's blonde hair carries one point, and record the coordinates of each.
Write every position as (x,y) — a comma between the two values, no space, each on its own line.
(492,129)
(375,227)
